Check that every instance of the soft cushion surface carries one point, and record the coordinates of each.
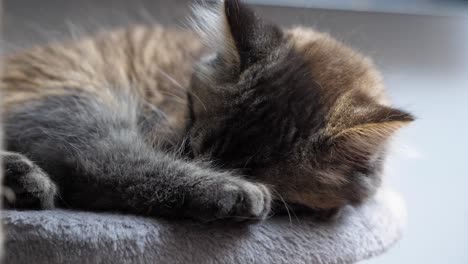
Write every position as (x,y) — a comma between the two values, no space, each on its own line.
(60,236)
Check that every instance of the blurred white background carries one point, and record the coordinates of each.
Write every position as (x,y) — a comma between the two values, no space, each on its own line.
(422,7)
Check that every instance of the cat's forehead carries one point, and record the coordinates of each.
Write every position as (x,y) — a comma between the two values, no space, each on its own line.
(335,65)
(282,95)
(314,82)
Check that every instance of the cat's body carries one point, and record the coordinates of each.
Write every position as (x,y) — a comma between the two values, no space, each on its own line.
(150,63)
(121,121)
(135,79)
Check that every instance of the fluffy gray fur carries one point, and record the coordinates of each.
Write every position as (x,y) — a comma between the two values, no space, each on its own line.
(99,159)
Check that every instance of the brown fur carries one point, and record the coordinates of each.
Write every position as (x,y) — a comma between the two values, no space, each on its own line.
(344,77)
(150,62)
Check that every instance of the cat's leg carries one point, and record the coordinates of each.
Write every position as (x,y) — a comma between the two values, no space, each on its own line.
(98,158)
(26,185)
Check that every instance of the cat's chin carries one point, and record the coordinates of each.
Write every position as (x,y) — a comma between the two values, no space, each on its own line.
(294,210)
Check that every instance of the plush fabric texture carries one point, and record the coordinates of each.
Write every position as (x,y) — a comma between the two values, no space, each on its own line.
(60,236)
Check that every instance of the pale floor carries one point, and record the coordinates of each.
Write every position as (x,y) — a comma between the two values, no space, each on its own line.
(425,63)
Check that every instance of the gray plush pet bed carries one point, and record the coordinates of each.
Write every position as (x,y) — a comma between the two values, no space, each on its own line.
(59,236)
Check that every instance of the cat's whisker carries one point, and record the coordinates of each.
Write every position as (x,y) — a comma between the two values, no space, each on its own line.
(182,100)
(180,148)
(74,30)
(170,78)
(285,205)
(143,13)
(198,98)
(295,216)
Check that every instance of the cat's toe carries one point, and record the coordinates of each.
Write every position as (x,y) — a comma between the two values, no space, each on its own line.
(27,186)
(244,201)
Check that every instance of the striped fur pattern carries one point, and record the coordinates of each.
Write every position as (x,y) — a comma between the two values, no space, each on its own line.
(220,124)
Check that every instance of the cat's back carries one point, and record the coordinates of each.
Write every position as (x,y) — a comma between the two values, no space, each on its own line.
(152,62)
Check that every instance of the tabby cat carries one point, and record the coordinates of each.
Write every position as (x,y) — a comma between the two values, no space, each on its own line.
(221,124)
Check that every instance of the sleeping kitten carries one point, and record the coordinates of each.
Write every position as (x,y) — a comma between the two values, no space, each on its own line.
(147,121)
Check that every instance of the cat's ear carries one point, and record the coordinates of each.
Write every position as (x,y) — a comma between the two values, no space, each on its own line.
(368,128)
(235,31)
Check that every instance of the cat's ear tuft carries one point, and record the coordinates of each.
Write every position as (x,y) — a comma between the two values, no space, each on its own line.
(235,31)
(370,129)
(210,23)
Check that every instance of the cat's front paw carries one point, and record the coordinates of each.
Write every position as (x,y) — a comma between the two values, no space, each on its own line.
(244,200)
(238,200)
(26,185)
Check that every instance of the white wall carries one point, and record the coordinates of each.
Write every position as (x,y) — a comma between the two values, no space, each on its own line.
(431,7)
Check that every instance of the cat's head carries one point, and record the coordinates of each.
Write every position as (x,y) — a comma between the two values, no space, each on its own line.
(294,109)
